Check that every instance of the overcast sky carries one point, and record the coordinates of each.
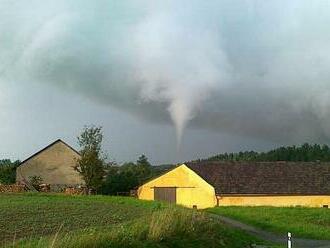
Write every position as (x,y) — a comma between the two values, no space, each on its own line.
(175,80)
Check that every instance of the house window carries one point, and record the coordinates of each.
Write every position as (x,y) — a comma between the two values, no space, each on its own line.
(325,206)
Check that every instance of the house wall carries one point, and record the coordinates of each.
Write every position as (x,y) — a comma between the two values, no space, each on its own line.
(54,165)
(191,188)
(276,201)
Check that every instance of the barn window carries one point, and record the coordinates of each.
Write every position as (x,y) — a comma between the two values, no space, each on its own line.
(325,206)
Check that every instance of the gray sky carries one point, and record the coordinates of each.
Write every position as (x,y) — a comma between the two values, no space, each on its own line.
(176,80)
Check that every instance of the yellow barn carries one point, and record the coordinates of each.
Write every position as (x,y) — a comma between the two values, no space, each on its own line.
(182,186)
(208,184)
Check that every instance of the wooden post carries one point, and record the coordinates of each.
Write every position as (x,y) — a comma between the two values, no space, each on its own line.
(289,240)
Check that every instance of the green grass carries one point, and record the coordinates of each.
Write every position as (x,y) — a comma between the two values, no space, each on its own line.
(33,215)
(37,220)
(302,222)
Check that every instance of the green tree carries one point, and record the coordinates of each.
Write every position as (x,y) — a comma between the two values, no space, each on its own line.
(91,163)
(143,161)
(121,179)
(8,171)
(143,168)
(128,176)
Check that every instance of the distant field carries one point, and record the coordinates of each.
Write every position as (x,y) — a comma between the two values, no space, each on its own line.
(101,221)
(302,222)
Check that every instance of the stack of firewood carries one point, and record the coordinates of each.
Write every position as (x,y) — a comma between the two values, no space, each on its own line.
(74,191)
(12,188)
(44,187)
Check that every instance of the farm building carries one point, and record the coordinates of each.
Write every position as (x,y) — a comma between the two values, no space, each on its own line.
(54,164)
(208,184)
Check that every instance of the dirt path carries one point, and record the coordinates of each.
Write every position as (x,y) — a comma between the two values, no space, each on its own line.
(271,237)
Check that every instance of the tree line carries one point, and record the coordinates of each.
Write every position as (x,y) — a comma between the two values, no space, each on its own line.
(304,153)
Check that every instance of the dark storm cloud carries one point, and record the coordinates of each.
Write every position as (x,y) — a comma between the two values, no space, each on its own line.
(253,68)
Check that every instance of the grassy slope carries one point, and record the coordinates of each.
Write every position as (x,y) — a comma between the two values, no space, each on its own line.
(100,221)
(302,222)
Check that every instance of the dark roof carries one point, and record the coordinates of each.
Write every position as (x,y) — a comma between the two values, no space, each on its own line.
(269,178)
(50,145)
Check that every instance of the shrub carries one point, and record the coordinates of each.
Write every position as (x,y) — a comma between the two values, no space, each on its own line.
(35,181)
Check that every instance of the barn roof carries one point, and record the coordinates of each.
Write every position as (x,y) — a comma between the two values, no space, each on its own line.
(266,178)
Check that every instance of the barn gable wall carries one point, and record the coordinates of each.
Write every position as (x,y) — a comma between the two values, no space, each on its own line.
(192,190)
(54,165)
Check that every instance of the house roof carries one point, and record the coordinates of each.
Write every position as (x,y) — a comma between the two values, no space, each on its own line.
(265,178)
(50,145)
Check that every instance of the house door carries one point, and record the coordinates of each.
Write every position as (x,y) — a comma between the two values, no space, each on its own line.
(167,194)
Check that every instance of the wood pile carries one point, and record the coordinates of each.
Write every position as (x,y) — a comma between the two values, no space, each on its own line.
(74,191)
(44,187)
(12,188)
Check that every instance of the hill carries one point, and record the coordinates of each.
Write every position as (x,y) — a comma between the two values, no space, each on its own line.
(305,152)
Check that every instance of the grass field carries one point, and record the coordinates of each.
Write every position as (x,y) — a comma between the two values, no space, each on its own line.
(29,215)
(36,220)
(302,222)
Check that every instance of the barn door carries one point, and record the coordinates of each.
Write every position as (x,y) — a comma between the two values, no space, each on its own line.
(167,194)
